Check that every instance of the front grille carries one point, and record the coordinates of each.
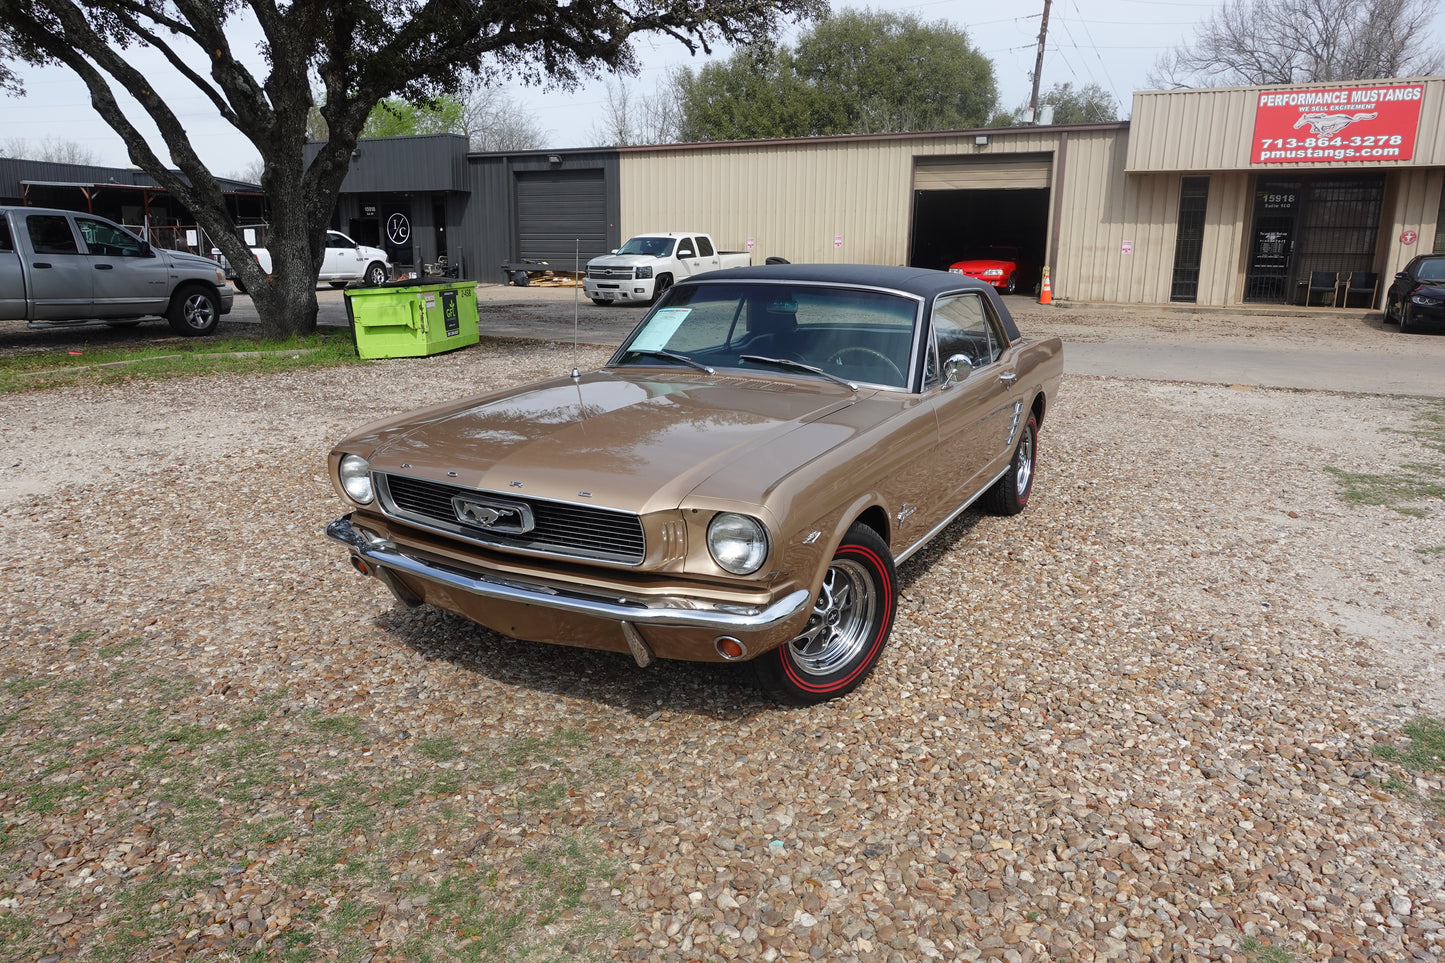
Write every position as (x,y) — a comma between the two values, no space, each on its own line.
(579,531)
(610,274)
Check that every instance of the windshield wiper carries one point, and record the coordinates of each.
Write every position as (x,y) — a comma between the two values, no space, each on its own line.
(672,356)
(800,366)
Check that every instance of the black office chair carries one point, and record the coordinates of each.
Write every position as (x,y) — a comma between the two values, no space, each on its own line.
(1365,284)
(1322,281)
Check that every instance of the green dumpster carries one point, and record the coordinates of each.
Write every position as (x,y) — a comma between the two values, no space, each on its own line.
(407,319)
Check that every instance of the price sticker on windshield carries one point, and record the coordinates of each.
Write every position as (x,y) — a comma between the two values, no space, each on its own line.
(660,329)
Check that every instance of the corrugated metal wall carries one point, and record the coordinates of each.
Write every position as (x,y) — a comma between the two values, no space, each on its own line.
(489,227)
(828,200)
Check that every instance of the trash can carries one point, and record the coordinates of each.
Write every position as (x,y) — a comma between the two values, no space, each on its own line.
(408,319)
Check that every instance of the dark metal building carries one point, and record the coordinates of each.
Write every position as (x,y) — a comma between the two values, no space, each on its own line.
(424,197)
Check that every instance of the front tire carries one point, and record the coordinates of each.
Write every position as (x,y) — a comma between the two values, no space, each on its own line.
(375,275)
(847,629)
(1012,284)
(660,288)
(1010,494)
(194,311)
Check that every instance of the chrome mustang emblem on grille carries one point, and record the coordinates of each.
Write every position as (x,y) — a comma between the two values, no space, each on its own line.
(495,516)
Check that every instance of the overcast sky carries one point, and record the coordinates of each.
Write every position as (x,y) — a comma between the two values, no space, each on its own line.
(1109,42)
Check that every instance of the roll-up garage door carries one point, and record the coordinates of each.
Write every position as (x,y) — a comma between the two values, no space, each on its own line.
(559,210)
(1020,172)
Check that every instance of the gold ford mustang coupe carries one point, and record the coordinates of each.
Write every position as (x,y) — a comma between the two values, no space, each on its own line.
(736,484)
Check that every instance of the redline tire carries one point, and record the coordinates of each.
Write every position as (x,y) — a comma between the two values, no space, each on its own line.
(847,630)
(1010,494)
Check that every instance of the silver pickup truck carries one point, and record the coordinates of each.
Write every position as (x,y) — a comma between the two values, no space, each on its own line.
(65,266)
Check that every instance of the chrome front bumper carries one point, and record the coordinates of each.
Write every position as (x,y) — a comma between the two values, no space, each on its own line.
(384,555)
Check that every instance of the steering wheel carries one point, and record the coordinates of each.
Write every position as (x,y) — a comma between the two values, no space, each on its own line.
(837,358)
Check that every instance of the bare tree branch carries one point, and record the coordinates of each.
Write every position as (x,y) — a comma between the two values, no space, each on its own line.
(1296,41)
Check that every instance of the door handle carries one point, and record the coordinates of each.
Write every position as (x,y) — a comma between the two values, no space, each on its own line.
(105,267)
(1008,377)
(41,264)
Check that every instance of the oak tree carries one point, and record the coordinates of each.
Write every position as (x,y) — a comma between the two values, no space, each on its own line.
(358,52)
(856,72)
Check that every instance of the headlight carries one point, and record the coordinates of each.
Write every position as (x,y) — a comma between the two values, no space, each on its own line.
(643,273)
(355,473)
(993,273)
(738,543)
(1426,302)
(955,270)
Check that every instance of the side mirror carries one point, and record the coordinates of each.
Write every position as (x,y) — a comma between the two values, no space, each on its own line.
(1402,276)
(957,369)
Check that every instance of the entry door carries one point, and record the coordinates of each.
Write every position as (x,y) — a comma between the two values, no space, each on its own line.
(978,415)
(1276,206)
(60,276)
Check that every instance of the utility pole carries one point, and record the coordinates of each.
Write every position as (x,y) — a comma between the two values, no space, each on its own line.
(1039,66)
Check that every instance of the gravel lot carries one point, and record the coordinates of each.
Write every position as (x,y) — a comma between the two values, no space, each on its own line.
(1138,721)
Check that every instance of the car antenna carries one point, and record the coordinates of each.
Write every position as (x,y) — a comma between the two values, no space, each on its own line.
(576,272)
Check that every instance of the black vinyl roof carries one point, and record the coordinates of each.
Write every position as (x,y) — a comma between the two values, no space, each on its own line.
(925,283)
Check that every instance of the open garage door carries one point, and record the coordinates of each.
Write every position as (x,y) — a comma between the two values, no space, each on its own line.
(964,204)
(557,210)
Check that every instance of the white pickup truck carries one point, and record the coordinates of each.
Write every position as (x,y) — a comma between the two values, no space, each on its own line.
(345,261)
(64,266)
(648,264)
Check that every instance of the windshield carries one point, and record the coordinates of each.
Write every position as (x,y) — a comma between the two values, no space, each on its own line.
(1431,269)
(651,246)
(854,334)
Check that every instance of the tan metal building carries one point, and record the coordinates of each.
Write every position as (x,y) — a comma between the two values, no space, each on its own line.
(1220,196)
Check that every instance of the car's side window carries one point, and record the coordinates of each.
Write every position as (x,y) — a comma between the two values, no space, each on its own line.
(5,243)
(106,240)
(336,240)
(50,234)
(962,325)
(684,249)
(704,247)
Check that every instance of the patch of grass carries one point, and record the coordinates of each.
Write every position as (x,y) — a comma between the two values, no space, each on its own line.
(1259,953)
(169,358)
(439,748)
(1424,753)
(258,791)
(1402,489)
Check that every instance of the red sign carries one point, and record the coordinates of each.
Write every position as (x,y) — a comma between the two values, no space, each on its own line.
(1337,124)
(1409,237)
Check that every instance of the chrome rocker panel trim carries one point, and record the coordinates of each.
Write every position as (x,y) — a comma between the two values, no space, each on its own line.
(385,555)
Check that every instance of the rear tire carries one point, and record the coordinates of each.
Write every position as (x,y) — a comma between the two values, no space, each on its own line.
(1010,494)
(194,311)
(602,301)
(847,629)
(338,284)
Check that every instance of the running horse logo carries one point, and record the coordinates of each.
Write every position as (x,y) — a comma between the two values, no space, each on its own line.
(1328,125)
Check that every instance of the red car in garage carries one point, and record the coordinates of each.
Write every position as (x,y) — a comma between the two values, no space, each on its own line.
(999,265)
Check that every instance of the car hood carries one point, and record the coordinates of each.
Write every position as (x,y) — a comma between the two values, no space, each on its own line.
(981,264)
(193,261)
(626,440)
(622,260)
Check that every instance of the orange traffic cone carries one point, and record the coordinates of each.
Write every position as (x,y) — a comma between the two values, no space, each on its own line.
(1046,293)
